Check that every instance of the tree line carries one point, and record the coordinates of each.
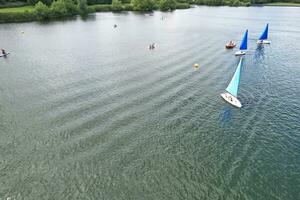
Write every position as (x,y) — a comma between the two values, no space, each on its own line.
(154,3)
(49,9)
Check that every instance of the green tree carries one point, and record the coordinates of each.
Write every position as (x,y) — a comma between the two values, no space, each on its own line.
(42,11)
(167,5)
(82,6)
(143,5)
(34,2)
(116,5)
(62,8)
(235,3)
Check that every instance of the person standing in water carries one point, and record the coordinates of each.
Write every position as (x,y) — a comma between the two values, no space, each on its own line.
(151,46)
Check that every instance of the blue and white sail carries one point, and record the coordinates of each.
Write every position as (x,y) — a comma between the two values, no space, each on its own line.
(264,34)
(244,43)
(233,86)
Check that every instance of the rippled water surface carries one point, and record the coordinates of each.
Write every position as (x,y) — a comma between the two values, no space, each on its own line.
(88,112)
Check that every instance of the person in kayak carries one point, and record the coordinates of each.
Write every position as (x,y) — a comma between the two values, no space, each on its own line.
(3,51)
(153,45)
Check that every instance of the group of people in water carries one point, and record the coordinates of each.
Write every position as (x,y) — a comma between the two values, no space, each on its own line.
(152,46)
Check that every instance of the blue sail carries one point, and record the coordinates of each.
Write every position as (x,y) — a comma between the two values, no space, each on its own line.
(264,35)
(244,41)
(233,86)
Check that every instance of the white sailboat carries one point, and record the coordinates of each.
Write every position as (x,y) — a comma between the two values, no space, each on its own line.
(264,36)
(243,46)
(232,89)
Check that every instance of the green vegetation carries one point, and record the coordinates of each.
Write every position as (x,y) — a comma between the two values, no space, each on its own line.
(8,4)
(143,5)
(82,6)
(16,9)
(12,15)
(49,9)
(116,5)
(267,2)
(42,11)
(182,5)
(63,8)
(283,4)
(165,5)
(223,2)
(107,8)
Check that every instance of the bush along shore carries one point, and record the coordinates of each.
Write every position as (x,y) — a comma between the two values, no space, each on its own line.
(43,10)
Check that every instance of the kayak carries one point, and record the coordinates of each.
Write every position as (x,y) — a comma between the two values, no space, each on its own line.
(3,55)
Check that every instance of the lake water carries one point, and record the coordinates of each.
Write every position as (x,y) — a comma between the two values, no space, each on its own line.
(88,112)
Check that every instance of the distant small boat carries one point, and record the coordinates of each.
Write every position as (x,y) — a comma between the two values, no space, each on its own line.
(243,46)
(232,89)
(230,45)
(4,55)
(264,36)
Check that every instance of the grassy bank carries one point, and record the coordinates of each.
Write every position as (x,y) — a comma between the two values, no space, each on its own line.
(282,4)
(17,14)
(17,9)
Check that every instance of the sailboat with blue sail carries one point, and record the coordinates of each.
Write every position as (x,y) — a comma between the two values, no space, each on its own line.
(244,45)
(264,36)
(232,89)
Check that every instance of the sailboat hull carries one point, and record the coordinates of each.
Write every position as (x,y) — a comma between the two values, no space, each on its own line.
(263,42)
(240,53)
(231,99)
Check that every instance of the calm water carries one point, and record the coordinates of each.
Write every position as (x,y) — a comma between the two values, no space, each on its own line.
(88,112)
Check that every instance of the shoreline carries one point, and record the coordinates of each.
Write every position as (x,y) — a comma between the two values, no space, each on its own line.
(281,4)
(26,13)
